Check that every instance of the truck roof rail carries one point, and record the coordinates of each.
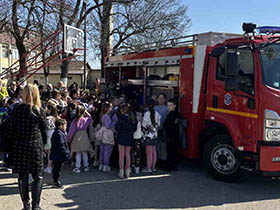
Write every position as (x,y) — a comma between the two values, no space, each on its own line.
(209,38)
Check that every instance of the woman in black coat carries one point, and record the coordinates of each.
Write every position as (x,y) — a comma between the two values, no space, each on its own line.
(27,136)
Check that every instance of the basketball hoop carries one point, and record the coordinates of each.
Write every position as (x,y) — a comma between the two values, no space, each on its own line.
(53,50)
(78,49)
(73,40)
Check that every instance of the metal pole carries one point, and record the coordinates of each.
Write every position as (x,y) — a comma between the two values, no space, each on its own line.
(145,84)
(85,44)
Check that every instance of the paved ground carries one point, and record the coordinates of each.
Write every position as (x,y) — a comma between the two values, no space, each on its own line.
(189,188)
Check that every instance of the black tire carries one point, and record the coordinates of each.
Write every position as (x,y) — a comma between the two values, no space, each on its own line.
(220,159)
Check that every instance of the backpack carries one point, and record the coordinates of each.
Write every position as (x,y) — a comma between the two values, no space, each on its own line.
(105,136)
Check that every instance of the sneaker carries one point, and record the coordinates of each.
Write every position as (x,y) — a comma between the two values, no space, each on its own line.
(137,170)
(100,167)
(48,170)
(86,169)
(147,170)
(57,185)
(76,170)
(154,170)
(121,174)
(95,163)
(7,169)
(106,168)
(127,173)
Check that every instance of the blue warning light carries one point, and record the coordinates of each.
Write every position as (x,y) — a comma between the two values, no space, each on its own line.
(268,30)
(188,51)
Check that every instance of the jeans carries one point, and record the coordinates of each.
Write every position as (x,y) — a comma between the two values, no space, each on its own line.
(79,157)
(161,150)
(105,154)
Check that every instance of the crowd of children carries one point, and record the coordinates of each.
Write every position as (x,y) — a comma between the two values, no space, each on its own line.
(109,132)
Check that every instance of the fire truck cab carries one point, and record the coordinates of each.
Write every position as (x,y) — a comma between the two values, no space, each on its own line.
(228,89)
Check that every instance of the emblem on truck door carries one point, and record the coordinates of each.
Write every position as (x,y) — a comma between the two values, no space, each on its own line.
(227,99)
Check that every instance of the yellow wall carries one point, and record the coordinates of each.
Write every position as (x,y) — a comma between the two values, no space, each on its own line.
(5,62)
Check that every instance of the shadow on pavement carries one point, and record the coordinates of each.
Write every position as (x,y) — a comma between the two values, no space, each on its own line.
(189,187)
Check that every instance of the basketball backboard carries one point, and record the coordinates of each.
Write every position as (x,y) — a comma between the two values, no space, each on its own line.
(73,40)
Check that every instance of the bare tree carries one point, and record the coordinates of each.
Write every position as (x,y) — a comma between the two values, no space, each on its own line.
(18,16)
(135,22)
(138,23)
(74,13)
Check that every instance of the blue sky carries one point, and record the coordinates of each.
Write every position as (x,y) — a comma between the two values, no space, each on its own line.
(228,15)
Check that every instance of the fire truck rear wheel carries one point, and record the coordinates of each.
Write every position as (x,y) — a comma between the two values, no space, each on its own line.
(220,160)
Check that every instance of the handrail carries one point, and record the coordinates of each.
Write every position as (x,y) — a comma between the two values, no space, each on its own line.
(169,43)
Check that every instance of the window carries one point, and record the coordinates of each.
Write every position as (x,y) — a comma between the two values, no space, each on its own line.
(15,54)
(245,74)
(246,70)
(5,51)
(221,63)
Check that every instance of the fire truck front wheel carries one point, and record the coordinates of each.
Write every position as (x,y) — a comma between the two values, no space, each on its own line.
(220,160)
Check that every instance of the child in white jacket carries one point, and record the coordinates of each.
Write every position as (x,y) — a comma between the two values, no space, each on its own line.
(150,125)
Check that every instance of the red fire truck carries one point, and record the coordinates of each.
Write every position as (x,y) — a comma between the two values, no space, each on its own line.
(228,89)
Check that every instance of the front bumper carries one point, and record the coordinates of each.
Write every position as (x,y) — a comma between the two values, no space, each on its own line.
(269,158)
(266,160)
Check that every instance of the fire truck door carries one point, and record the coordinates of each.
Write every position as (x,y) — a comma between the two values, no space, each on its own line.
(236,109)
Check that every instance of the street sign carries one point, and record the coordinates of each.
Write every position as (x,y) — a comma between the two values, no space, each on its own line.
(73,40)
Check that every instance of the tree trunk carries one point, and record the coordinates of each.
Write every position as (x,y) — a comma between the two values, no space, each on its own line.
(64,71)
(22,62)
(106,28)
(46,73)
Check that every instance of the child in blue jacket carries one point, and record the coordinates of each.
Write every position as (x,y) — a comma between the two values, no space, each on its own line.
(59,150)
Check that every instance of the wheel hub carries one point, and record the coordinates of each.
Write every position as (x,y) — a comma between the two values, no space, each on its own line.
(223,159)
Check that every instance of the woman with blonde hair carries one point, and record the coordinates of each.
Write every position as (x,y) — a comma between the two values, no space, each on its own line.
(27,136)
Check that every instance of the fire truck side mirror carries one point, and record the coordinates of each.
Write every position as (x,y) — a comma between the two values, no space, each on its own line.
(218,51)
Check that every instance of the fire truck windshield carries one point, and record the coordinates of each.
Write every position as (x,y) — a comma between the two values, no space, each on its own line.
(270,60)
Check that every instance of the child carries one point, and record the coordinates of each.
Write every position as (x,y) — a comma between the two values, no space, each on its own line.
(79,139)
(151,124)
(70,114)
(162,109)
(93,128)
(125,127)
(59,150)
(9,105)
(172,136)
(106,148)
(52,116)
(137,138)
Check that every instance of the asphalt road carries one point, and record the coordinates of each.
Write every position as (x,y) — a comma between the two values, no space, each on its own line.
(189,188)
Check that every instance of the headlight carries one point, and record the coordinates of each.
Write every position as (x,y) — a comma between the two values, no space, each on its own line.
(272,134)
(272,123)
(271,126)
